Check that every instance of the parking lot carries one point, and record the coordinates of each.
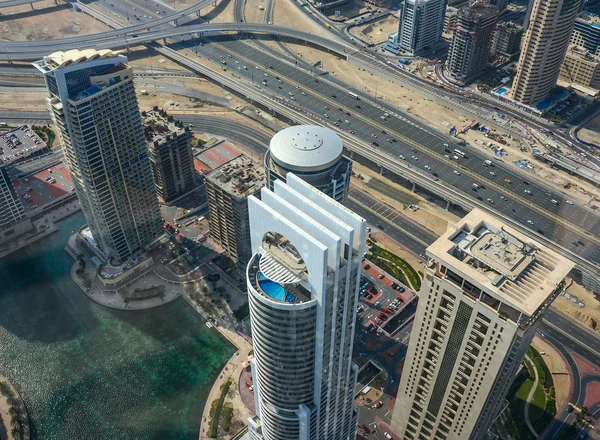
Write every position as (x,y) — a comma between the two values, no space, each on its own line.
(43,187)
(20,143)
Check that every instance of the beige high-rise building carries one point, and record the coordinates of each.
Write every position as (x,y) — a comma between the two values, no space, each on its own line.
(543,50)
(485,292)
(581,68)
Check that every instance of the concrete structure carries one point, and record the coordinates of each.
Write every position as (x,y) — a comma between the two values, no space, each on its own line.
(313,153)
(421,24)
(450,17)
(303,293)
(506,39)
(586,32)
(581,67)
(228,188)
(170,147)
(485,291)
(544,48)
(13,221)
(93,104)
(471,40)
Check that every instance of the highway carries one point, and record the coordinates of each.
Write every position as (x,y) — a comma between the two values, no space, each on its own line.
(10,3)
(568,225)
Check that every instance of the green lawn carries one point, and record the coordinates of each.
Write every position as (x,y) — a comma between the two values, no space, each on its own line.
(538,403)
(395,266)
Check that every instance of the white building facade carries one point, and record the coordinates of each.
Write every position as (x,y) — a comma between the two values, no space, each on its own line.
(303,293)
(92,101)
(485,291)
(421,24)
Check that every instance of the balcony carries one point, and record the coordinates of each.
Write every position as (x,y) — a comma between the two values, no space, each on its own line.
(287,291)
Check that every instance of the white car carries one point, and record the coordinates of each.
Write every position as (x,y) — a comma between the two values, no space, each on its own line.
(402,157)
(527,191)
(530,222)
(570,202)
(457,172)
(492,173)
(427,167)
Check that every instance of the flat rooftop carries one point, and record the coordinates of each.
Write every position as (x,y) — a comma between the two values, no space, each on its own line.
(158,125)
(17,144)
(501,261)
(239,177)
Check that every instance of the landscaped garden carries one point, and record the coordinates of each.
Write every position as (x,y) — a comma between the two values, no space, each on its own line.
(394,265)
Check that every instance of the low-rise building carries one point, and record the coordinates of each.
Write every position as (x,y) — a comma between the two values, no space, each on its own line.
(13,220)
(228,188)
(170,148)
(581,67)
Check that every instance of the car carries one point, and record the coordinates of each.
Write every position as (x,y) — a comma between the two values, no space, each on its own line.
(369,296)
(378,404)
(374,135)
(527,192)
(492,174)
(457,172)
(507,180)
(381,276)
(375,143)
(326,116)
(401,290)
(368,229)
(387,435)
(503,198)
(490,200)
(427,167)
(570,202)
(525,182)
(530,222)
(380,226)
(379,332)
(415,158)
(367,267)
(402,157)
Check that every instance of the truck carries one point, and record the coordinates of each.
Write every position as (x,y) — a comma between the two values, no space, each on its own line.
(404,61)
(487,163)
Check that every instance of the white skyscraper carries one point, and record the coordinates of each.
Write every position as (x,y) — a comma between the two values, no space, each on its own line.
(93,104)
(485,291)
(302,289)
(421,24)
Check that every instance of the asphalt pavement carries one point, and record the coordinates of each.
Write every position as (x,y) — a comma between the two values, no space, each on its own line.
(581,225)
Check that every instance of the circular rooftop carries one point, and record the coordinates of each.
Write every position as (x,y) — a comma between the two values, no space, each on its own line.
(306,148)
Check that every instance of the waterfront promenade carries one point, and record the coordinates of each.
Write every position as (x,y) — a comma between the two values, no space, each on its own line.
(10,397)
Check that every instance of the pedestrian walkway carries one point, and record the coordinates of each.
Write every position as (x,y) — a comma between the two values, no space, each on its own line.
(5,409)
(529,397)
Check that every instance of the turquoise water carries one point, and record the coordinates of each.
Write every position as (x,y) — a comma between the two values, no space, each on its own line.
(87,372)
(502,91)
(274,290)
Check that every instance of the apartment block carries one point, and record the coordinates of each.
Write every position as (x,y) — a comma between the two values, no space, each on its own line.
(93,104)
(421,24)
(471,41)
(228,188)
(170,147)
(303,294)
(13,220)
(581,67)
(486,289)
(586,32)
(506,39)
(545,44)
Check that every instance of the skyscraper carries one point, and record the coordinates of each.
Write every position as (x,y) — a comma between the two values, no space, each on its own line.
(303,292)
(13,220)
(228,188)
(485,291)
(421,24)
(471,41)
(170,147)
(544,47)
(93,104)
(313,153)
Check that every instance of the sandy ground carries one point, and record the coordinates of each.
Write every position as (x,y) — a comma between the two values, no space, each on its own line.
(591,131)
(431,216)
(588,315)
(376,32)
(222,13)
(20,23)
(555,364)
(141,56)
(409,257)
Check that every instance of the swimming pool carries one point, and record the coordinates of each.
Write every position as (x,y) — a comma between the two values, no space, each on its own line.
(274,290)
(501,91)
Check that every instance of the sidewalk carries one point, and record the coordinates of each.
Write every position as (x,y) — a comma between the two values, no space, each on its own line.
(5,418)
